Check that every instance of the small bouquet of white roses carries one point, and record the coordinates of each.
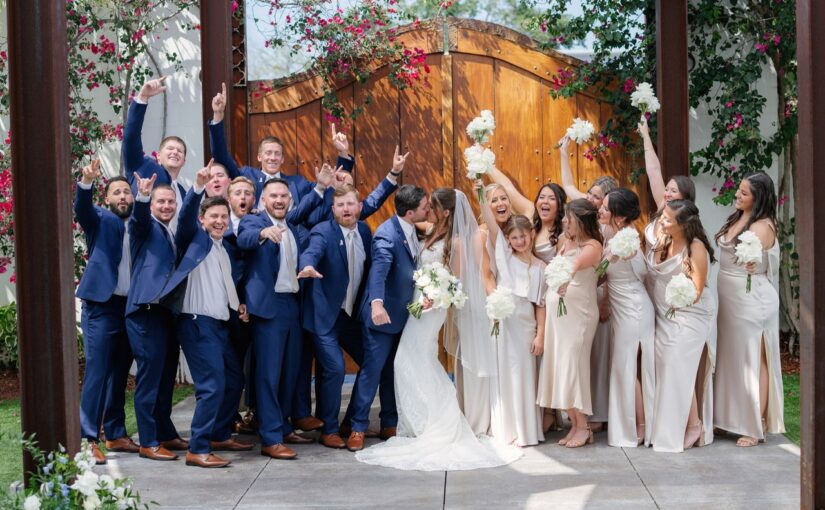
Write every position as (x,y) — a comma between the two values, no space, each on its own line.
(580,131)
(500,305)
(644,98)
(480,161)
(679,293)
(481,128)
(624,245)
(438,286)
(748,251)
(558,272)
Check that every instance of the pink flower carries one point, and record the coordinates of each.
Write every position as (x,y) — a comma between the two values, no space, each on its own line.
(728,184)
(728,104)
(234,6)
(777,40)
(782,200)
(762,48)
(629,86)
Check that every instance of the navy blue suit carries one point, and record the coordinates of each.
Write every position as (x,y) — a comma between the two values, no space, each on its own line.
(105,342)
(275,318)
(215,367)
(150,326)
(330,326)
(135,161)
(391,280)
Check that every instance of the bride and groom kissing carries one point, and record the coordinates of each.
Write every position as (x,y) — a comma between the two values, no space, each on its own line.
(398,354)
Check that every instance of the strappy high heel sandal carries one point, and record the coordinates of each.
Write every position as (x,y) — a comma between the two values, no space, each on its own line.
(640,434)
(578,443)
(692,434)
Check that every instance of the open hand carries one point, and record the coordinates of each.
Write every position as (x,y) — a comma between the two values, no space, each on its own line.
(309,272)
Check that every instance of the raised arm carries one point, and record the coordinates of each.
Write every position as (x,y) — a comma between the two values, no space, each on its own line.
(217,135)
(188,215)
(140,224)
(84,208)
(653,167)
(386,187)
(521,204)
(132,147)
(489,221)
(567,181)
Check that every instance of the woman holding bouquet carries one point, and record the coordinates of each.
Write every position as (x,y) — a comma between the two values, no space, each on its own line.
(632,321)
(749,399)
(564,375)
(685,337)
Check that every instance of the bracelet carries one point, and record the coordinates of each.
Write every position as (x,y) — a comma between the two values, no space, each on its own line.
(394,174)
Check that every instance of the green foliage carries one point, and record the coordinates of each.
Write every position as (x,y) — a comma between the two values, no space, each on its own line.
(8,338)
(790,383)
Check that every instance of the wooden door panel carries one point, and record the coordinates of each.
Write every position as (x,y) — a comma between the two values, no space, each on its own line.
(308,138)
(421,134)
(588,109)
(347,98)
(557,115)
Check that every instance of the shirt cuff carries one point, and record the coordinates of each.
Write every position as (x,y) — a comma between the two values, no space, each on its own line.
(319,192)
(138,101)
(82,185)
(198,190)
(377,301)
(142,198)
(393,179)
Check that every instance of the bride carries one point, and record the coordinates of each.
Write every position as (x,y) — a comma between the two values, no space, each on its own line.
(433,435)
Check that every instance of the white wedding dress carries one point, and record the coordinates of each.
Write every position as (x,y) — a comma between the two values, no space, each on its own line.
(433,434)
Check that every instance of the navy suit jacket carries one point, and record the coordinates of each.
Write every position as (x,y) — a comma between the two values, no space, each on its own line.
(298,185)
(390,277)
(153,258)
(135,160)
(104,232)
(369,205)
(327,252)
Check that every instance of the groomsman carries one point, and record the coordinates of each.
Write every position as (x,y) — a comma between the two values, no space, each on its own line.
(148,323)
(171,155)
(203,294)
(219,181)
(103,289)
(336,262)
(274,241)
(395,249)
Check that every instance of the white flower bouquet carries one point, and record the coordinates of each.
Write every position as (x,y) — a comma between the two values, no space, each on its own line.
(748,251)
(481,128)
(480,161)
(500,305)
(679,293)
(437,285)
(644,98)
(581,131)
(558,272)
(624,245)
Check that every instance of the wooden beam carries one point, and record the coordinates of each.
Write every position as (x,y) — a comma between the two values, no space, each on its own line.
(810,17)
(216,62)
(672,86)
(41,162)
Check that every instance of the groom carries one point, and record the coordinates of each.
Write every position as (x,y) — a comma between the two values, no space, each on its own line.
(395,249)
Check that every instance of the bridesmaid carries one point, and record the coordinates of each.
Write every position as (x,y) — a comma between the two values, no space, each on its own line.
(749,399)
(632,323)
(685,343)
(564,376)
(516,418)
(600,354)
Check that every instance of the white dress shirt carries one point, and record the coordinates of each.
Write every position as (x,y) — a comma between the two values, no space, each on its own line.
(206,292)
(411,236)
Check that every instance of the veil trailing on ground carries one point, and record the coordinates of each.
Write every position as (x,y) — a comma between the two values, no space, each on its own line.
(467,332)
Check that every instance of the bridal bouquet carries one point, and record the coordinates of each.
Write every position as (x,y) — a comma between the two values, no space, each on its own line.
(558,272)
(437,285)
(481,128)
(480,161)
(679,293)
(500,305)
(581,131)
(748,251)
(624,245)
(644,98)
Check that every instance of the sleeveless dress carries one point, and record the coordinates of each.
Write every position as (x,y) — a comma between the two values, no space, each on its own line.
(745,318)
(680,343)
(433,434)
(632,321)
(564,376)
(545,251)
(516,419)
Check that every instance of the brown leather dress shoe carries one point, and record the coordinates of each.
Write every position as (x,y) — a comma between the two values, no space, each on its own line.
(231,445)
(355,441)
(157,453)
(278,451)
(123,444)
(387,432)
(175,444)
(97,454)
(205,460)
(332,441)
(293,438)
(308,424)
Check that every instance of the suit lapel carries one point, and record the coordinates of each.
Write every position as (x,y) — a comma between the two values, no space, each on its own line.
(338,237)
(400,232)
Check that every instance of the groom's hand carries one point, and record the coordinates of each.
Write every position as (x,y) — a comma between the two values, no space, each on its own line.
(379,314)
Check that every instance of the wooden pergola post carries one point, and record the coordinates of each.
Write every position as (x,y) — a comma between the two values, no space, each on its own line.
(46,331)
(216,62)
(672,86)
(810,17)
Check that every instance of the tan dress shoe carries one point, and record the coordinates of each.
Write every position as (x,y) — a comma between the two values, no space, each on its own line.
(387,432)
(97,454)
(332,441)
(355,441)
(308,424)
(293,438)
(122,444)
(157,453)
(175,444)
(278,451)
(205,460)
(231,445)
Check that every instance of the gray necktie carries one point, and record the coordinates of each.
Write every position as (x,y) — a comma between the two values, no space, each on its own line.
(226,273)
(350,299)
(289,257)
(415,248)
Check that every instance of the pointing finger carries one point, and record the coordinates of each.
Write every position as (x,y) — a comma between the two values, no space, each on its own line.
(223,89)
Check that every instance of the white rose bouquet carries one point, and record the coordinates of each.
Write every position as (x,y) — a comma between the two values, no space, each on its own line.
(644,98)
(480,161)
(624,245)
(500,305)
(679,293)
(581,131)
(558,272)
(437,285)
(481,128)
(748,251)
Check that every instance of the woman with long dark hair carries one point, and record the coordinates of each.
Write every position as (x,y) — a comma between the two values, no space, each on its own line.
(748,400)
(686,339)
(547,220)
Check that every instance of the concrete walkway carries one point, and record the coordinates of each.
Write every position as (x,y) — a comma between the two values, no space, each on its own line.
(547,477)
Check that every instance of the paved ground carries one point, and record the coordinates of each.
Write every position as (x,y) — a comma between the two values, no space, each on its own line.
(547,477)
